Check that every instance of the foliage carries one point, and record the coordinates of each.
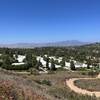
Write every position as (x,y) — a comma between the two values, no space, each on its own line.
(89,84)
(47,62)
(63,93)
(52,65)
(33,71)
(72,65)
(31,60)
(43,82)
(62,63)
(93,73)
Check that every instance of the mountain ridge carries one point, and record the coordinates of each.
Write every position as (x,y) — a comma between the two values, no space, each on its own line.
(49,44)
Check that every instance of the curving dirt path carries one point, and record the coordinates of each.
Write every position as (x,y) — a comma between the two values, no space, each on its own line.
(71,85)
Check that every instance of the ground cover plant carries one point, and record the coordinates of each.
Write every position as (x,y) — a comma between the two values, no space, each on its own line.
(91,85)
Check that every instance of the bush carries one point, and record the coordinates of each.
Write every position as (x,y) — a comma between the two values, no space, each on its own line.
(1,64)
(15,67)
(81,69)
(46,82)
(51,72)
(34,71)
(43,82)
(83,73)
(93,73)
(61,69)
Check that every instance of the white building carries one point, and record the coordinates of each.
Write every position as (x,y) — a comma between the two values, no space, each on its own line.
(20,59)
(16,64)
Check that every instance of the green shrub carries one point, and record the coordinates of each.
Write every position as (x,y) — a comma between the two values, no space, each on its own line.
(33,71)
(46,82)
(61,69)
(93,73)
(1,64)
(43,82)
(83,73)
(51,72)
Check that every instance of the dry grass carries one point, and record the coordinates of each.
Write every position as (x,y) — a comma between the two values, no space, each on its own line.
(58,90)
(91,85)
(26,87)
(15,87)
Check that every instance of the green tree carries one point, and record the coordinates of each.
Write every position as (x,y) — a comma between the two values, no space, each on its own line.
(89,63)
(72,65)
(62,63)
(34,61)
(47,63)
(53,65)
(7,61)
(31,60)
(39,64)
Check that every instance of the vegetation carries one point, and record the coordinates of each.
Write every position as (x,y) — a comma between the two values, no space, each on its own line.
(59,90)
(47,62)
(53,65)
(43,82)
(93,73)
(62,63)
(72,65)
(91,85)
(88,54)
(31,60)
(49,86)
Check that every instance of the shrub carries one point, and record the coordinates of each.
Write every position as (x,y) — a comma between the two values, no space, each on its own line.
(83,73)
(1,64)
(61,69)
(34,71)
(51,72)
(93,73)
(44,82)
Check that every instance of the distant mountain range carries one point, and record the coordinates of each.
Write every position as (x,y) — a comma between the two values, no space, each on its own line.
(51,44)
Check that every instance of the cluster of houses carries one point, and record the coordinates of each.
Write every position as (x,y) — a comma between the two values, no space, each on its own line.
(20,61)
(67,64)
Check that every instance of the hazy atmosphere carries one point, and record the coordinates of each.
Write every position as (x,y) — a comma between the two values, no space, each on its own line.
(26,21)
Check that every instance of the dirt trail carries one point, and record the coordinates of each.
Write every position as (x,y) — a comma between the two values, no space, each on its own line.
(71,85)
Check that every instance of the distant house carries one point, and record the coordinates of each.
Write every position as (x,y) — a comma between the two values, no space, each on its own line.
(20,60)
(16,64)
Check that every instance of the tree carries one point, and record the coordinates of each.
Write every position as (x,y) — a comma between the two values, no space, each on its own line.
(39,64)
(47,63)
(72,65)
(89,63)
(62,62)
(7,61)
(16,56)
(53,65)
(34,61)
(31,60)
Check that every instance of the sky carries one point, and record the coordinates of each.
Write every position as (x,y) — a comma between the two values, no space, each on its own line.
(41,21)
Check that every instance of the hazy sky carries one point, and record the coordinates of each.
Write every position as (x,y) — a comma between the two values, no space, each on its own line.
(49,20)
